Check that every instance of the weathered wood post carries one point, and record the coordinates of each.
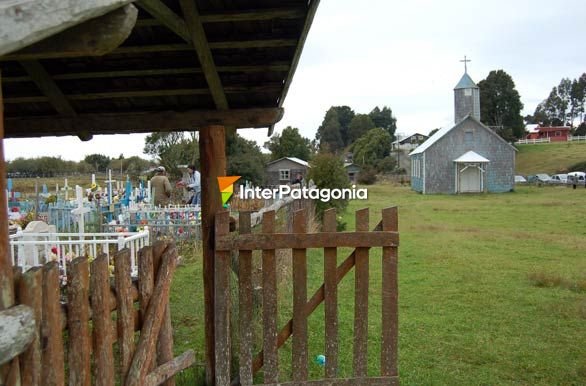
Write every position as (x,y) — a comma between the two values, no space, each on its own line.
(212,152)
(10,372)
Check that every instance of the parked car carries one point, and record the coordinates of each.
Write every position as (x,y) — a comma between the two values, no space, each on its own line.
(540,177)
(520,180)
(576,178)
(558,179)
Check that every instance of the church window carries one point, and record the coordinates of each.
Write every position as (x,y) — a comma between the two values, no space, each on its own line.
(468,92)
(469,138)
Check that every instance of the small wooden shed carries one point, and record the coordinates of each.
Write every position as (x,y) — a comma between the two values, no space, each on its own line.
(117,66)
(285,170)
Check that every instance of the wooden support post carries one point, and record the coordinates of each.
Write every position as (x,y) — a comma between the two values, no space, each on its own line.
(222,305)
(6,279)
(299,344)
(361,301)
(390,289)
(212,152)
(245,305)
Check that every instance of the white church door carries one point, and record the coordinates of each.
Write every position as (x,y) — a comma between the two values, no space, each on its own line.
(470,180)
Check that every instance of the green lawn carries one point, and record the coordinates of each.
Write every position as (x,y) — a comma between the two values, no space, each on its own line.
(550,158)
(469,313)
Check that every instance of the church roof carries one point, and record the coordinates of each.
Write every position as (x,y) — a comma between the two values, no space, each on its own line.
(471,156)
(465,82)
(445,130)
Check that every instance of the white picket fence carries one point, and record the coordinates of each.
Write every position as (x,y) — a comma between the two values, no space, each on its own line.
(533,141)
(577,138)
(34,249)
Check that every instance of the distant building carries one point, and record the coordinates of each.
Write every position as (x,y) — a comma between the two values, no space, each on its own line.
(352,169)
(466,158)
(410,142)
(555,134)
(283,171)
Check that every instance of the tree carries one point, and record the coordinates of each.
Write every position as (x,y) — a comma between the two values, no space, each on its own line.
(288,144)
(372,147)
(100,162)
(330,138)
(245,159)
(577,98)
(172,149)
(327,172)
(433,131)
(360,124)
(344,115)
(501,104)
(384,119)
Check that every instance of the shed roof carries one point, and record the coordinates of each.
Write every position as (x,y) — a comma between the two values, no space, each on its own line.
(185,64)
(465,82)
(471,157)
(293,159)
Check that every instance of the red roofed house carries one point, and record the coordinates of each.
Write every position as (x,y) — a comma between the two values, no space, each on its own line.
(555,134)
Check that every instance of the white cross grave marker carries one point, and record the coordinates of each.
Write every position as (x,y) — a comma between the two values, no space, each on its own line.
(80,210)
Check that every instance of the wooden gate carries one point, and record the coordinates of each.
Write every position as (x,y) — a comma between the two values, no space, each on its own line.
(384,235)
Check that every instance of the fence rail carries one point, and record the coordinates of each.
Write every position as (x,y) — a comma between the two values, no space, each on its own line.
(577,138)
(384,235)
(532,141)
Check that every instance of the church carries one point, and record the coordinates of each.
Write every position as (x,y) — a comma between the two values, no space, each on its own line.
(466,158)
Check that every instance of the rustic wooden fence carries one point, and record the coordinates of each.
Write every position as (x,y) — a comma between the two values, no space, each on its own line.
(384,235)
(74,323)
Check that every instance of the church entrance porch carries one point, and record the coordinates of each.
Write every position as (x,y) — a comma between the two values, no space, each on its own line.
(470,171)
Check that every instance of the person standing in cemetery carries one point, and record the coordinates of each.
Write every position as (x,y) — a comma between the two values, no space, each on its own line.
(161,187)
(193,185)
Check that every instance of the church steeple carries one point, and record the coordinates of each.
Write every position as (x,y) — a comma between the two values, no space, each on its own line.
(466,96)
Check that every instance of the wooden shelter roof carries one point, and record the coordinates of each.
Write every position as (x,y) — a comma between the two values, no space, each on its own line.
(185,64)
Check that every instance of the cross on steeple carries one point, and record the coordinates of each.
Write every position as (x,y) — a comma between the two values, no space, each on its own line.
(465,63)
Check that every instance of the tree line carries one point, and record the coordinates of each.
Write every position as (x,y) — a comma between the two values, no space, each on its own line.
(563,106)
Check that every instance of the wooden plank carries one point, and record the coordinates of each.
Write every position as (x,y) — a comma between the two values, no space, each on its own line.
(204,53)
(6,277)
(102,322)
(145,349)
(48,87)
(298,50)
(245,305)
(331,298)
(52,371)
(146,282)
(30,293)
(299,347)
(166,16)
(95,37)
(25,127)
(78,315)
(167,370)
(270,67)
(124,310)
(23,23)
(222,304)
(269,298)
(165,339)
(310,240)
(370,381)
(312,304)
(212,144)
(250,15)
(360,362)
(17,328)
(390,292)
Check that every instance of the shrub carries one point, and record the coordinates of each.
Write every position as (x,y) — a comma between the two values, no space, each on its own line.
(367,176)
(578,167)
(327,172)
(386,165)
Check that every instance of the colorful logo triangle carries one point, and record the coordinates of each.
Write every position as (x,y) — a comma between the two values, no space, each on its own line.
(226,185)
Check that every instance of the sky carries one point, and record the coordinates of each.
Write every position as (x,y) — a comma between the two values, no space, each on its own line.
(401,54)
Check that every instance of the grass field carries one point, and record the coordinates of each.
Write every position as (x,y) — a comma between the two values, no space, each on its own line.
(549,158)
(492,290)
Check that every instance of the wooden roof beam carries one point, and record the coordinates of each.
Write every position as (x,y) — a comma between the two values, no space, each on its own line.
(276,67)
(145,122)
(48,87)
(231,16)
(204,52)
(165,16)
